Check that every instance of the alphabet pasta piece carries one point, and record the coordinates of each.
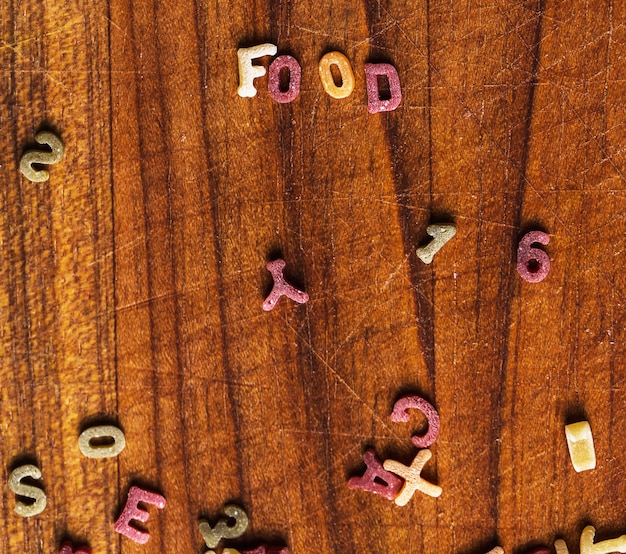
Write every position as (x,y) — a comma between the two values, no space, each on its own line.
(28,491)
(248,72)
(580,444)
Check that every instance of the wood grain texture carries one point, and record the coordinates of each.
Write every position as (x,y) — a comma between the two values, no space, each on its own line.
(131,283)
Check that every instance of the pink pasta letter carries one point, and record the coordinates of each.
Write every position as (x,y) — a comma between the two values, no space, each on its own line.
(132,511)
(374,103)
(295,76)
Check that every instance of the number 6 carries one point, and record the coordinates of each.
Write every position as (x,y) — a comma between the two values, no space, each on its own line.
(533,264)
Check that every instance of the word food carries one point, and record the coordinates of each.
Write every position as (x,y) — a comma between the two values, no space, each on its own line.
(374,72)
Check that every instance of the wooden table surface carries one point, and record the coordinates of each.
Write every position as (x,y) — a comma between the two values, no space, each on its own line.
(131,282)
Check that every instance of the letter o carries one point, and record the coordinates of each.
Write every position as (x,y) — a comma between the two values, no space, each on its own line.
(102,431)
(295,77)
(345,69)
